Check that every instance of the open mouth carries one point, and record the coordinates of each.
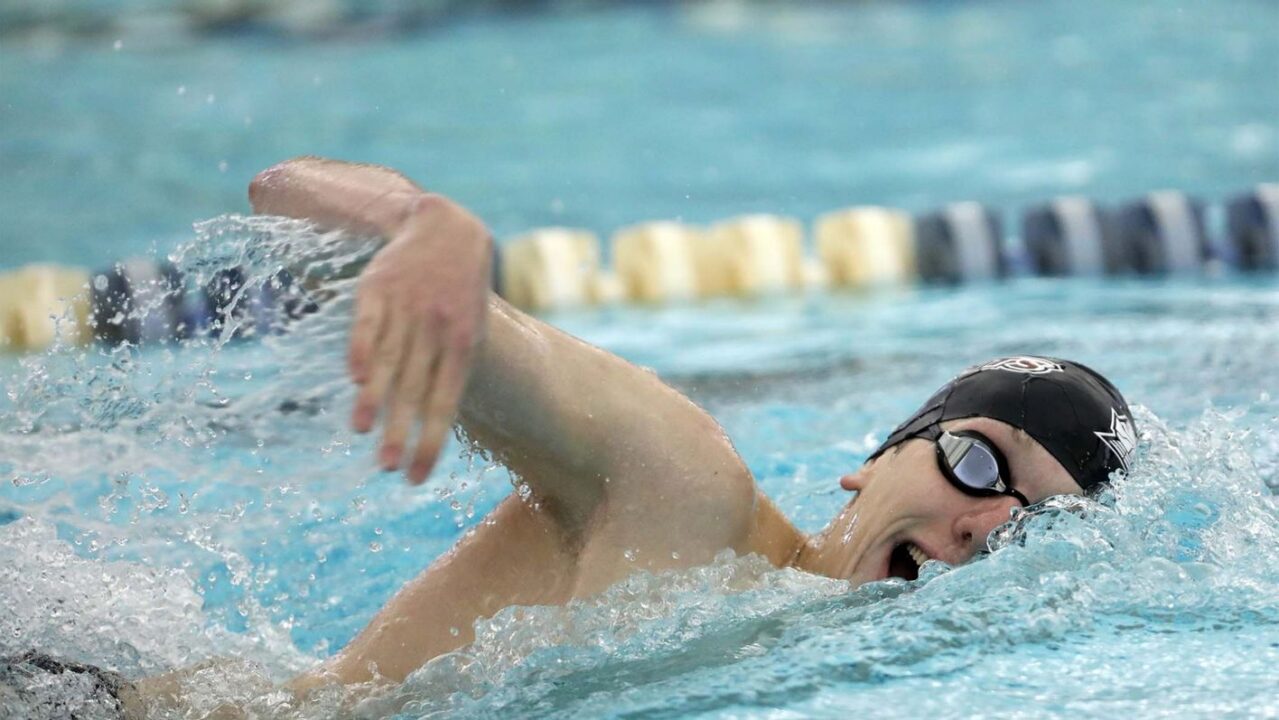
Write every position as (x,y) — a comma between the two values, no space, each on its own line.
(905,560)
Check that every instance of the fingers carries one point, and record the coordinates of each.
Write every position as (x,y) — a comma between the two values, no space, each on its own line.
(370,313)
(438,407)
(406,397)
(412,378)
(385,363)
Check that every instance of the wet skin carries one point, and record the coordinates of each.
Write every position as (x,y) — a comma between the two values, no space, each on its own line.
(903,497)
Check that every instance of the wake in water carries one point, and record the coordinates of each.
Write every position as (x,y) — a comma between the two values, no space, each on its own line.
(173,505)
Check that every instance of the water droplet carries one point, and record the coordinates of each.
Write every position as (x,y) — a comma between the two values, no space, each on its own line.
(119,45)
(675,556)
(848,532)
(182,89)
(454,631)
(375,547)
(630,554)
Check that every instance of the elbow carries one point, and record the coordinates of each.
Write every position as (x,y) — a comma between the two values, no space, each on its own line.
(262,185)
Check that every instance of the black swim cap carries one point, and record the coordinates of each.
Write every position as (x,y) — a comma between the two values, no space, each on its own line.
(1076,414)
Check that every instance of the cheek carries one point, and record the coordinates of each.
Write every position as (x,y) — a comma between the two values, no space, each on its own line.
(920,492)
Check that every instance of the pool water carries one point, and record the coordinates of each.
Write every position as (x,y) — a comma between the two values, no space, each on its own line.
(611,115)
(168,505)
(174,504)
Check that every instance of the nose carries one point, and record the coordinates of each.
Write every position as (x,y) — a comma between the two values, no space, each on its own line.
(972,527)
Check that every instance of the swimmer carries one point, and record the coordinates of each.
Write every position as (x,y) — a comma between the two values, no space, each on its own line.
(624,473)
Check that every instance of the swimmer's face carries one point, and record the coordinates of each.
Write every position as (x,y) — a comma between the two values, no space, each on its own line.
(903,500)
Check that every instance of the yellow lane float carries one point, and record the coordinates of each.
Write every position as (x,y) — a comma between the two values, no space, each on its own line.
(863,247)
(658,261)
(553,268)
(754,255)
(39,303)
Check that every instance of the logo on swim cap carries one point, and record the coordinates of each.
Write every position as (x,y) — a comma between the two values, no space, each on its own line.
(1024,364)
(1121,439)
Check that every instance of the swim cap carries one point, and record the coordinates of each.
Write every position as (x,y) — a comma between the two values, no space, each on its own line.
(1075,413)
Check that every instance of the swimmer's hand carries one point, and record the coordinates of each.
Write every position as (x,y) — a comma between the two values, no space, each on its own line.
(419,315)
(420,303)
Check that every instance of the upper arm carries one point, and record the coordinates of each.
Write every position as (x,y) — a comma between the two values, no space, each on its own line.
(601,441)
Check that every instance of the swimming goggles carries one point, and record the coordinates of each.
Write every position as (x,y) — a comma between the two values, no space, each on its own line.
(972,463)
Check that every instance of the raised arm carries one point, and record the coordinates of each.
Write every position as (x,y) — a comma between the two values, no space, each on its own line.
(628,473)
(579,425)
(419,310)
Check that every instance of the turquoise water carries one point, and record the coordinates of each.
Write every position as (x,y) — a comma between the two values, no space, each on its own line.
(609,116)
(170,505)
(173,504)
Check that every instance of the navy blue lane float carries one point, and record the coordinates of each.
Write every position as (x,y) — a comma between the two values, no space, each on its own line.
(1162,233)
(960,243)
(141,302)
(1252,227)
(1070,237)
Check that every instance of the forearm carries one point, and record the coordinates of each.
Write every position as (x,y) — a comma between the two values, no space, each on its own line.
(367,200)
(516,556)
(372,202)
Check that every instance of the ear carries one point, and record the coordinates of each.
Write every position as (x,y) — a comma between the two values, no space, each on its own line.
(858,480)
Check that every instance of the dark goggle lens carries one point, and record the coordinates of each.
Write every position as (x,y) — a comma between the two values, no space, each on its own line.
(971,462)
(978,468)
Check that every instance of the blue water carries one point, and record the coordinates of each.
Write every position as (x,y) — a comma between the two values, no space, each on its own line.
(161,508)
(609,116)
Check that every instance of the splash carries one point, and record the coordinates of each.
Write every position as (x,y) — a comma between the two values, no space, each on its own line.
(169,506)
(181,505)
